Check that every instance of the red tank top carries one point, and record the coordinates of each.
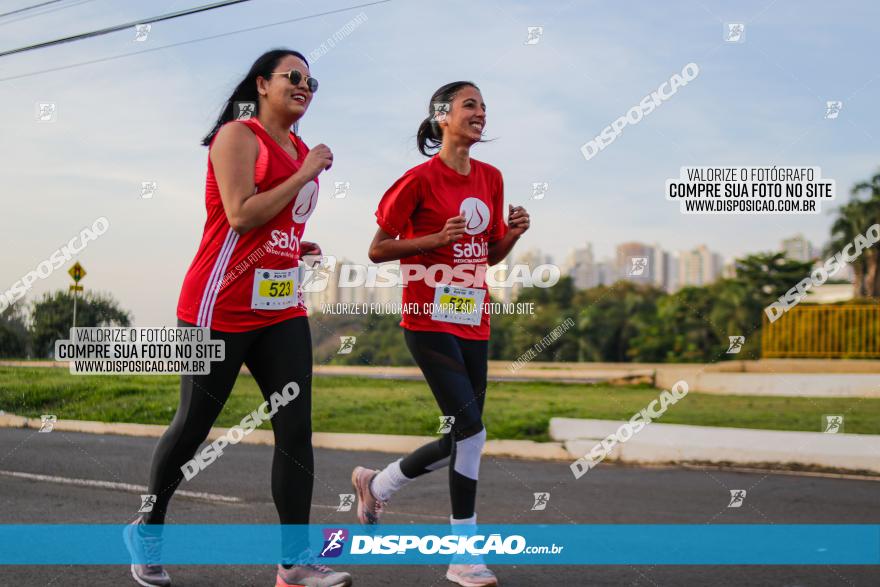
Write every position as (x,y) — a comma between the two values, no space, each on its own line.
(221,286)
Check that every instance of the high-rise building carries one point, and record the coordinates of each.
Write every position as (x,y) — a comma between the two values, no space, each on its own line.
(661,262)
(380,293)
(503,292)
(582,269)
(606,272)
(317,293)
(798,248)
(698,267)
(729,270)
(534,257)
(531,258)
(672,272)
(636,262)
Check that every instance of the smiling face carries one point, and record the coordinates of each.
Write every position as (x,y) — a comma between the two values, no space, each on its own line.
(280,94)
(466,119)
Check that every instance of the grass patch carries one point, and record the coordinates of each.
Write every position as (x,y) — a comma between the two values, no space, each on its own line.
(514,410)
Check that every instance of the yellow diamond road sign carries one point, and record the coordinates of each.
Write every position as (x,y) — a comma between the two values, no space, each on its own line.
(77,272)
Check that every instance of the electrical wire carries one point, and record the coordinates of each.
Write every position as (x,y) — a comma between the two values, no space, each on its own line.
(245,30)
(26,8)
(127,25)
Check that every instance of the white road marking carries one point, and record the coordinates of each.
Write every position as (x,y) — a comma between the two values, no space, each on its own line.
(789,472)
(140,489)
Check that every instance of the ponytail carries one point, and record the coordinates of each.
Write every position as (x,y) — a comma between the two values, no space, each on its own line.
(429,136)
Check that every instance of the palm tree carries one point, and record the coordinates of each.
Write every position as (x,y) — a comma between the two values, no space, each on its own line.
(844,229)
(853,219)
(872,217)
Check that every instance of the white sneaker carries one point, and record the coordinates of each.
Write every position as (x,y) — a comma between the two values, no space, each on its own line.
(471,575)
(145,549)
(369,508)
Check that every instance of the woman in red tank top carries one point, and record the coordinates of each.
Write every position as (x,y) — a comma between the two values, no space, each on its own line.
(243,284)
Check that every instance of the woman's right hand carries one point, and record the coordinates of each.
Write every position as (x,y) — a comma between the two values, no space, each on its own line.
(452,230)
(386,247)
(317,160)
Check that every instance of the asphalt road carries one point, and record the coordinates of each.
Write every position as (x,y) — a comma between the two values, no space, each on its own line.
(609,494)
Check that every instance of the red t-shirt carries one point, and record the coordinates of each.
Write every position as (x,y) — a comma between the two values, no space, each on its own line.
(420,203)
(222,289)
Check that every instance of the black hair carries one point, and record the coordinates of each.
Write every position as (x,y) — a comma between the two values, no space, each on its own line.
(430,136)
(246,90)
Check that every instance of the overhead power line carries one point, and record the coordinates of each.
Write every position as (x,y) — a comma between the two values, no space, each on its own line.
(26,8)
(121,27)
(43,11)
(187,42)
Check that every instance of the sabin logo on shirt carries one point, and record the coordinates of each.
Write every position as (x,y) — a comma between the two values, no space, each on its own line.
(476,215)
(305,203)
(471,250)
(285,240)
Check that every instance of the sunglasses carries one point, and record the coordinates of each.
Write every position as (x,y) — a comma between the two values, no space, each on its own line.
(296,76)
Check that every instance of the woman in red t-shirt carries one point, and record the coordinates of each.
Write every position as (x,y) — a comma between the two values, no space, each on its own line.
(444,220)
(262,185)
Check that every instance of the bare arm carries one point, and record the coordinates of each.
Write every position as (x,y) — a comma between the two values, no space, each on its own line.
(387,248)
(500,249)
(518,221)
(233,156)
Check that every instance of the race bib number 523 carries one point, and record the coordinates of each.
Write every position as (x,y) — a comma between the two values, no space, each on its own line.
(274,289)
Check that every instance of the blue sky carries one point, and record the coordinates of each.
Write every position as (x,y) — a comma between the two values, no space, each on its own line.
(140,118)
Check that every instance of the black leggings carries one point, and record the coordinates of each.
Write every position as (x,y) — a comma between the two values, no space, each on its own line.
(275,356)
(455,369)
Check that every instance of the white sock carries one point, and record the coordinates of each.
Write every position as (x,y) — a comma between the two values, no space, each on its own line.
(465,527)
(388,481)
(472,520)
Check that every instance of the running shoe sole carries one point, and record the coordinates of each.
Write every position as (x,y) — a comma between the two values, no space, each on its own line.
(141,581)
(279,582)
(466,583)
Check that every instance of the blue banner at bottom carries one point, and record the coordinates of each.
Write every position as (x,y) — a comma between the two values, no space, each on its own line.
(415,544)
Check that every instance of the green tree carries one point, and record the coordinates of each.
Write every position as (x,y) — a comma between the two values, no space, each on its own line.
(683,328)
(518,333)
(739,303)
(378,340)
(500,339)
(52,317)
(14,336)
(766,276)
(736,311)
(612,317)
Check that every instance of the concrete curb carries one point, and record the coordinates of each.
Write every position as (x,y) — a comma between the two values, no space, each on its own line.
(665,443)
(775,384)
(573,438)
(390,443)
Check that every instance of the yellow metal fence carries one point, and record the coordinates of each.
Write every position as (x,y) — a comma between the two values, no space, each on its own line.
(847,331)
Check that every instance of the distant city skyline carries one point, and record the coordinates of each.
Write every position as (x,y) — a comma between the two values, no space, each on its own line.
(665,269)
